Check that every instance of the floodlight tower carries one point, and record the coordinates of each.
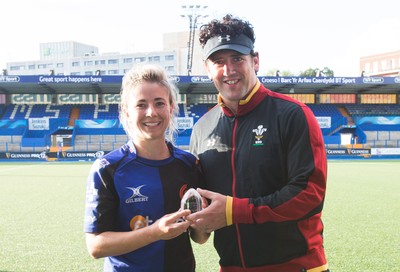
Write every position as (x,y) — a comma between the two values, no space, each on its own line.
(194,13)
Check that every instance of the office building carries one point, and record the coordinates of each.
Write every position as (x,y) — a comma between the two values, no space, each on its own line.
(75,58)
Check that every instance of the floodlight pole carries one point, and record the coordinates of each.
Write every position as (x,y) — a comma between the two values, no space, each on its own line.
(192,12)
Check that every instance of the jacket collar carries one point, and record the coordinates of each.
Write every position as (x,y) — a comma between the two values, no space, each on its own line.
(248,103)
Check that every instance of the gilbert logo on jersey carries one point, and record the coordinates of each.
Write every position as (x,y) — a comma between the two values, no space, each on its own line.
(136,195)
(259,131)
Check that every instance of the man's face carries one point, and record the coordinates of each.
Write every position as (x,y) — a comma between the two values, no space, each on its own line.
(234,74)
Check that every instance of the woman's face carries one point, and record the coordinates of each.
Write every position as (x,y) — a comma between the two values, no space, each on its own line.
(149,112)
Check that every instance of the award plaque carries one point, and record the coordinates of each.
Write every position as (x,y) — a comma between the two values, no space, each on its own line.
(191,200)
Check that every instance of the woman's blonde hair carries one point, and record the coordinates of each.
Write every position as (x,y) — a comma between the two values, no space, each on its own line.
(136,77)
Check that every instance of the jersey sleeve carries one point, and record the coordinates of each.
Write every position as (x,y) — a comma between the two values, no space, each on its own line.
(101,203)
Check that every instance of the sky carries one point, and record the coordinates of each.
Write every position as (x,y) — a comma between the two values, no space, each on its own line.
(291,35)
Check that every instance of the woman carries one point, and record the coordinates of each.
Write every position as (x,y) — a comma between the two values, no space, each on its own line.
(133,216)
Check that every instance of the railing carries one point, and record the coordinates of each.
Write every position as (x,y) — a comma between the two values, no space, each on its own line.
(93,146)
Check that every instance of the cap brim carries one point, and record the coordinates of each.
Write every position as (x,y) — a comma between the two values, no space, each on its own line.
(240,43)
(235,47)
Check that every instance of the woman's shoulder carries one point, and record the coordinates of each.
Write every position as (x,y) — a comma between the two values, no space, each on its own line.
(185,156)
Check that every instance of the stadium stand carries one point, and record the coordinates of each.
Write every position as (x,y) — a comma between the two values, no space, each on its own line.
(197,110)
(342,116)
(373,109)
(25,111)
(94,126)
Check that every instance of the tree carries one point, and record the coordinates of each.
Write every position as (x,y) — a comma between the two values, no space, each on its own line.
(276,72)
(313,72)
(310,72)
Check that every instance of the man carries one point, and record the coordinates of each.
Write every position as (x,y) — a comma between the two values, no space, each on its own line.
(264,161)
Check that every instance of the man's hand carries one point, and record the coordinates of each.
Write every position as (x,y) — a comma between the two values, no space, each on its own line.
(212,217)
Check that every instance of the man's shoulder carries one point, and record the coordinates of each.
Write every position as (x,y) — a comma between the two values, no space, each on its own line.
(213,113)
(285,99)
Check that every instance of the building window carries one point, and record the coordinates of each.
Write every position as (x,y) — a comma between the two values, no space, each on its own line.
(154,59)
(142,59)
(16,68)
(60,65)
(75,63)
(169,57)
(99,62)
(128,60)
(169,69)
(75,74)
(113,61)
(42,66)
(112,72)
(88,63)
(367,67)
(375,67)
(383,65)
(31,67)
(88,73)
(391,64)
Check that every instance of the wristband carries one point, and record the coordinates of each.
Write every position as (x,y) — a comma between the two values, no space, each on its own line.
(228,210)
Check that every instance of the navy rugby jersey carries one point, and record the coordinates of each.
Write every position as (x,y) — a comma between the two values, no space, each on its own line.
(126,192)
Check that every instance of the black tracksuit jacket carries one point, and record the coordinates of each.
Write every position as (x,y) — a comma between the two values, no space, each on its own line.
(271,159)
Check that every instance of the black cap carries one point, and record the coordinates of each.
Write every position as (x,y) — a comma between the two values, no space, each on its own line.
(240,43)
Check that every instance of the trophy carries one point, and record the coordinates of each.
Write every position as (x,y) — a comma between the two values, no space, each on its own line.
(191,200)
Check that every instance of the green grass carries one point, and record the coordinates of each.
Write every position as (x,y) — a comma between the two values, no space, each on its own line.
(42,206)
(361,216)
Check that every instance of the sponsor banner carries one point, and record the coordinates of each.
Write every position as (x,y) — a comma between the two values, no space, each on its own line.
(184,122)
(44,156)
(42,79)
(324,121)
(385,151)
(10,124)
(61,79)
(23,155)
(378,120)
(77,99)
(76,155)
(99,124)
(349,151)
(111,98)
(39,123)
(204,98)
(31,99)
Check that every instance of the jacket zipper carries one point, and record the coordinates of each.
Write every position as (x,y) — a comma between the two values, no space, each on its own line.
(234,187)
